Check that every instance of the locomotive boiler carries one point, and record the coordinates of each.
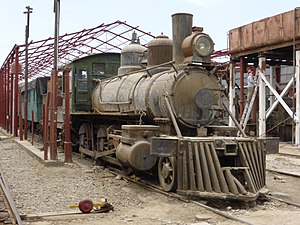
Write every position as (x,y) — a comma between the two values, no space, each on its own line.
(164,111)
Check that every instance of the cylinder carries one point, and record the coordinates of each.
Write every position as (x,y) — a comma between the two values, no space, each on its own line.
(182,24)
(136,156)
(159,50)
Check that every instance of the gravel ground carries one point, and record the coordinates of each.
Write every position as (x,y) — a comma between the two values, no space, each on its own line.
(39,189)
(42,190)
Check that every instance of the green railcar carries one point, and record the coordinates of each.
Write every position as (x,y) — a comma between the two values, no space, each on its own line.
(86,72)
(36,89)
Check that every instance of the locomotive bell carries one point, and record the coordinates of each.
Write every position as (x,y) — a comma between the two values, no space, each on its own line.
(131,55)
(197,47)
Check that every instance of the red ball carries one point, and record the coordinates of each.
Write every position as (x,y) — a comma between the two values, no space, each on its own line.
(86,205)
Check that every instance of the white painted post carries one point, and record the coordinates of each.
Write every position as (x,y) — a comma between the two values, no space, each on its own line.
(231,92)
(262,98)
(297,77)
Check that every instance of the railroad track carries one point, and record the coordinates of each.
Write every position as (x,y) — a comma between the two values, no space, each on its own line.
(9,213)
(290,174)
(156,188)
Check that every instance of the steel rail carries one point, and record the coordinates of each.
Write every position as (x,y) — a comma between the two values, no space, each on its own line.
(284,173)
(157,189)
(284,201)
(8,197)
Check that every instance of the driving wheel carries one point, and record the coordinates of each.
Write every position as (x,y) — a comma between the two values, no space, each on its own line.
(167,173)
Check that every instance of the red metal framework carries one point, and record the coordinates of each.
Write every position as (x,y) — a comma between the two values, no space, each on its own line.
(110,37)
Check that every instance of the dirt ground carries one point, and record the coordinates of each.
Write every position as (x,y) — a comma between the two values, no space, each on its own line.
(41,190)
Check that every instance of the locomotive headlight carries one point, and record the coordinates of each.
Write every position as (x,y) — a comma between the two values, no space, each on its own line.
(203,45)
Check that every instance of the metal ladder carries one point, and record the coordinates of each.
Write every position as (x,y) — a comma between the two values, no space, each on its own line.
(248,110)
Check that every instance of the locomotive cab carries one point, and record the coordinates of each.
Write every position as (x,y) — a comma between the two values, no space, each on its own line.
(85,74)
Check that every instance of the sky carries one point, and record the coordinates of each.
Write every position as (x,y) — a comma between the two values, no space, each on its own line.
(217,17)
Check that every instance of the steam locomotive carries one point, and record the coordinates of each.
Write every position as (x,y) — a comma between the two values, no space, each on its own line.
(164,111)
(160,109)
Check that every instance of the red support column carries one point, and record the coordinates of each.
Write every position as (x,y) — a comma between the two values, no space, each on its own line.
(6,96)
(11,102)
(46,125)
(1,99)
(67,144)
(20,117)
(53,117)
(45,136)
(16,92)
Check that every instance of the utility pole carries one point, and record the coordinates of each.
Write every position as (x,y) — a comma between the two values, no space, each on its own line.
(29,10)
(53,115)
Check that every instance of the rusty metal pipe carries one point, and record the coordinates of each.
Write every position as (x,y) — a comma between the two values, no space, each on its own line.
(67,144)
(182,24)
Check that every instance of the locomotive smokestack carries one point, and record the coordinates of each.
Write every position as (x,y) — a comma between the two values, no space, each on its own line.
(182,24)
